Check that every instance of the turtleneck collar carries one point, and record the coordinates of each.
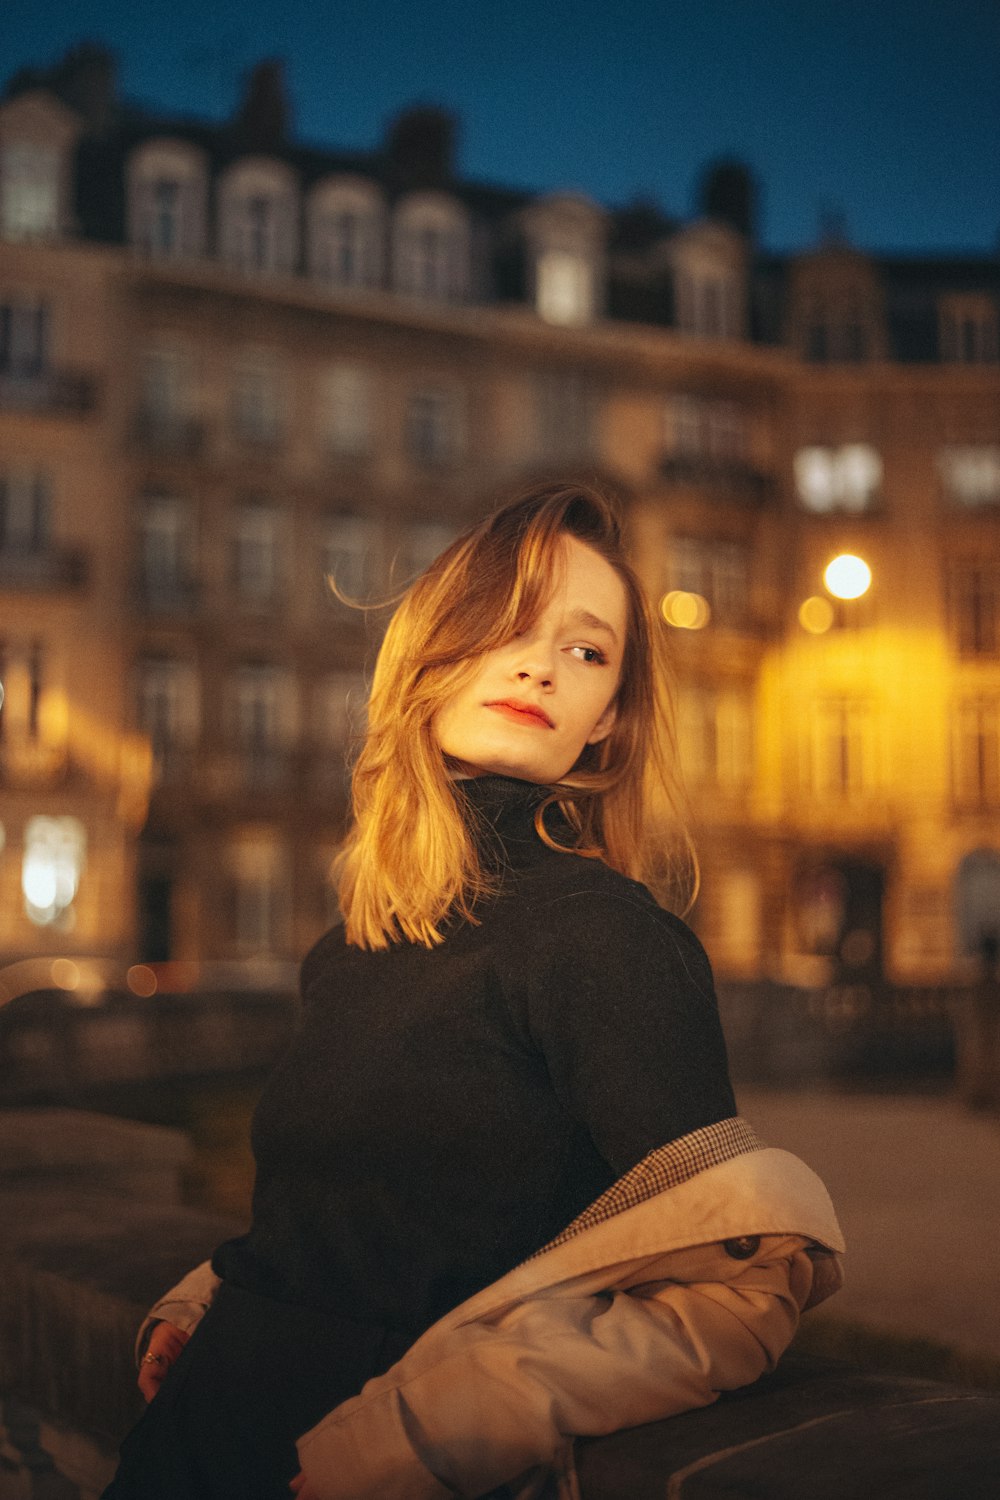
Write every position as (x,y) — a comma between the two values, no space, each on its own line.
(502,808)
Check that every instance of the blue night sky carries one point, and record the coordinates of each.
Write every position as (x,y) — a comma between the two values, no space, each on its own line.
(888,113)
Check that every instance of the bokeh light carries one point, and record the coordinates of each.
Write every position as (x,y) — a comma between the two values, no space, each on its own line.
(685,611)
(848,576)
(816,614)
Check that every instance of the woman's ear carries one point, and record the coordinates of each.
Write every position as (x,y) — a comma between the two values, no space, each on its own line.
(604,725)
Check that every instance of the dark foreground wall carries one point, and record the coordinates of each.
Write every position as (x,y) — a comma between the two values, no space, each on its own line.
(91,1232)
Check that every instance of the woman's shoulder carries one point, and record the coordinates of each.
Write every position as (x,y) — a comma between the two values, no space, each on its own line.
(585,903)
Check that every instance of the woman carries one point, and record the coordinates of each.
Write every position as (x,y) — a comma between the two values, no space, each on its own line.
(503,1197)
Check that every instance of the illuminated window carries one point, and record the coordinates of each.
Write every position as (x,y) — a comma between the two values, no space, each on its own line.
(255,552)
(970,475)
(716,570)
(346,231)
(715,731)
(976,753)
(847,478)
(29,191)
(433,429)
(347,410)
(564,287)
(54,859)
(843,748)
(25,510)
(258,870)
(973,604)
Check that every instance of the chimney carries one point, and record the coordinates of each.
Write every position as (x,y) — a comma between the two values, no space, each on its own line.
(264,118)
(729,195)
(420,144)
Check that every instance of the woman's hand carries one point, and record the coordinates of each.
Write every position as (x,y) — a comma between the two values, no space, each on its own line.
(165,1343)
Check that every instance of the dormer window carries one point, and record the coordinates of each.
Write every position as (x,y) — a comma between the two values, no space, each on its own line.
(431,248)
(565,245)
(969,330)
(346,233)
(29,191)
(167,195)
(709,282)
(258,204)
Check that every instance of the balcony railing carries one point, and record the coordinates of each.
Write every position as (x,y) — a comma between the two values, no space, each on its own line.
(53,392)
(728,478)
(42,568)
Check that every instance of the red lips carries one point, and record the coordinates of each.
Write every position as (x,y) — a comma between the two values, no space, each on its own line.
(522,712)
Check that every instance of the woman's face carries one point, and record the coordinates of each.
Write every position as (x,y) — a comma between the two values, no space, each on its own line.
(536,701)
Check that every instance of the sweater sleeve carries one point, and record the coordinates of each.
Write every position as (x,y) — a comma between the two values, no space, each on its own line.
(623,1009)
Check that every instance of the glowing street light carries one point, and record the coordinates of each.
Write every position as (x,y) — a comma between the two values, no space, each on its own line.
(847,576)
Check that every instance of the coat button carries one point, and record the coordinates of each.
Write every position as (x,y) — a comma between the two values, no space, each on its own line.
(743,1247)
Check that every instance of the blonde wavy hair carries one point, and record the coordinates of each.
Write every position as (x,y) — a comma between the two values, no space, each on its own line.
(410,861)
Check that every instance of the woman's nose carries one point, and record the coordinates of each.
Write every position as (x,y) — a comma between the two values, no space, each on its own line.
(533,662)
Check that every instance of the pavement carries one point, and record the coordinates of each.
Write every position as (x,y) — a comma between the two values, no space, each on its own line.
(916,1184)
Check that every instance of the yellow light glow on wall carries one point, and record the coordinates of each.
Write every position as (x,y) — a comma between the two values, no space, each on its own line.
(685,611)
(847,576)
(816,614)
(141,980)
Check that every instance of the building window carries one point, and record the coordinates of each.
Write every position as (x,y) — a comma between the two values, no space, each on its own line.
(970,475)
(24,339)
(976,753)
(347,411)
(258,204)
(257,407)
(259,875)
(433,433)
(21,690)
(842,760)
(255,553)
(25,511)
(167,395)
(166,546)
(342,701)
(167,708)
(263,707)
(346,234)
(431,249)
(351,557)
(564,287)
(167,192)
(55,852)
(29,191)
(718,571)
(848,478)
(707,303)
(715,734)
(566,413)
(705,429)
(969,330)
(836,333)
(973,597)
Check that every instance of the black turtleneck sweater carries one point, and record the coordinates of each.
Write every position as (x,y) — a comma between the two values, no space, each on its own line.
(443,1113)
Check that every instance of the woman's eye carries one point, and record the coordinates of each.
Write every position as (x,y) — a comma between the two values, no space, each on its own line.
(590,653)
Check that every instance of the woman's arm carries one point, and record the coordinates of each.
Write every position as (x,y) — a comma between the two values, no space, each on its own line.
(485,1402)
(183,1306)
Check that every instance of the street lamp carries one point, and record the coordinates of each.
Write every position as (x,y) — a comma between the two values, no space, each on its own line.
(847,576)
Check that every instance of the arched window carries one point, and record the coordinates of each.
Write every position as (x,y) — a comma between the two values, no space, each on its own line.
(709,282)
(346,232)
(258,208)
(167,195)
(431,248)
